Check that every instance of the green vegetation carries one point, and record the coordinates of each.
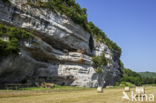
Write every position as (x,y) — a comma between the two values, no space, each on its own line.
(11,46)
(126,84)
(99,70)
(131,76)
(123,84)
(148,74)
(135,78)
(56,87)
(121,64)
(149,80)
(79,16)
(98,61)
(148,77)
(117,84)
(149,84)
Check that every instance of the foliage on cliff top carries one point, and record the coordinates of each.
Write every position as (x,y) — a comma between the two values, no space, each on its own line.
(14,35)
(78,15)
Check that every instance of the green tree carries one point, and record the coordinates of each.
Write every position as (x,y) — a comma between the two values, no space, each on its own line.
(131,76)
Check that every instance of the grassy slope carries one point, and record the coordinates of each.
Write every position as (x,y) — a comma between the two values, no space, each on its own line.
(148,74)
(85,96)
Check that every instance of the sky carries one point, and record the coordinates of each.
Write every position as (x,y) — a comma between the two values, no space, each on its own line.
(132,25)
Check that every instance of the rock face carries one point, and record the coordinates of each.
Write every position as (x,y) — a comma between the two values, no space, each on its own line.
(57,57)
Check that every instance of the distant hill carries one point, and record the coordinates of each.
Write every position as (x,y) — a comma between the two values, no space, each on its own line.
(147,74)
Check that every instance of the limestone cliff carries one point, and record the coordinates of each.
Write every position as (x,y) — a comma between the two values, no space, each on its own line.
(58,56)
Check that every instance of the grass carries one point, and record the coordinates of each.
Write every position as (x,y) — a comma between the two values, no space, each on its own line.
(81,96)
(57,87)
(149,85)
(128,84)
(54,88)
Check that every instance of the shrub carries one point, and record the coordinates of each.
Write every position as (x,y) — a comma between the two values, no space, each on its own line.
(121,64)
(117,84)
(99,70)
(14,34)
(3,46)
(12,46)
(98,61)
(123,83)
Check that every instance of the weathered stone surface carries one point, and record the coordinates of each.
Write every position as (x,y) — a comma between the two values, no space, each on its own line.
(55,57)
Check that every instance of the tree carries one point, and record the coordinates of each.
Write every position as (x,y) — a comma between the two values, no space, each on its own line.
(131,76)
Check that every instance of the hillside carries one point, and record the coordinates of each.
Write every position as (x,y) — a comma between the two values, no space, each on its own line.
(147,74)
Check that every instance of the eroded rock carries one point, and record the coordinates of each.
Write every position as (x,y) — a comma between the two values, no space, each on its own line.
(55,56)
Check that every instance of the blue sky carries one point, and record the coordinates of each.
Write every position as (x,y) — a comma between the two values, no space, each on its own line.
(132,25)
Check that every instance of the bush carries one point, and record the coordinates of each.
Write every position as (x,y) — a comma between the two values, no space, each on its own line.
(99,60)
(12,46)
(14,34)
(99,70)
(123,82)
(117,84)
(121,64)
(3,46)
(96,61)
